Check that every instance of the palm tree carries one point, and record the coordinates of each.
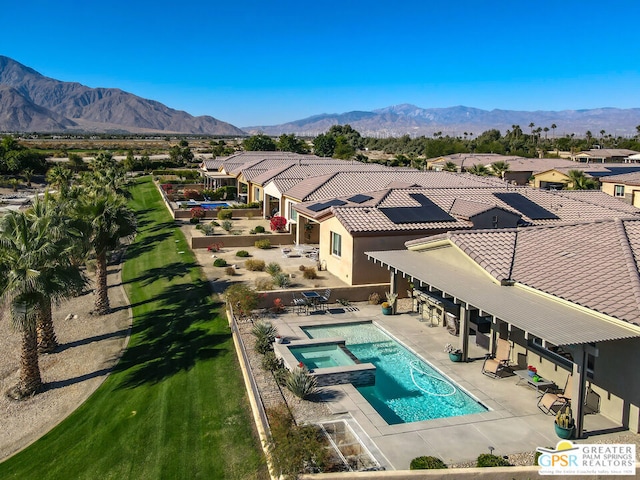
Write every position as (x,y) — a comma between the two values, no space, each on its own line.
(106,219)
(500,168)
(450,167)
(28,175)
(478,169)
(33,273)
(60,177)
(578,180)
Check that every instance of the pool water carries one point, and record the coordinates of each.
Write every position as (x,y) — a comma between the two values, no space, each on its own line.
(407,388)
(321,356)
(213,205)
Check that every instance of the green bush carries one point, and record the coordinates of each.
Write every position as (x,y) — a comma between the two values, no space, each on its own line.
(270,362)
(263,243)
(194,220)
(265,333)
(273,268)
(254,265)
(259,229)
(489,460)
(219,262)
(242,253)
(225,214)
(242,298)
(281,280)
(426,463)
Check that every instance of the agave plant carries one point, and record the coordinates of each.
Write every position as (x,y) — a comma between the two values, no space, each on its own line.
(265,333)
(301,383)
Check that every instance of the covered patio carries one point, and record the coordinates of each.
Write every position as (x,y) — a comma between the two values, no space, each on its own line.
(541,326)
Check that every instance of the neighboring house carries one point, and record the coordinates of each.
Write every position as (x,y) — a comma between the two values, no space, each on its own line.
(625,187)
(541,290)
(347,226)
(558,178)
(605,155)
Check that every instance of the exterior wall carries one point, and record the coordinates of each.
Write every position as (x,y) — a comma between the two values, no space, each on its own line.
(505,219)
(200,240)
(631,192)
(520,178)
(551,176)
(342,266)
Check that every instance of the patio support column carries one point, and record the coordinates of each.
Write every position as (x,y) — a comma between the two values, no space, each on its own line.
(393,287)
(464,332)
(577,396)
(265,206)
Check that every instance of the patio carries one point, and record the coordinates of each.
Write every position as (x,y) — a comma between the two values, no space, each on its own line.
(513,424)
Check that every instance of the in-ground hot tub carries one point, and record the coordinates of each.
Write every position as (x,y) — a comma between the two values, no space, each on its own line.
(328,360)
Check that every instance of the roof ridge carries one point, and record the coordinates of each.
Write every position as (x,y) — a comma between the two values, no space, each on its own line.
(629,258)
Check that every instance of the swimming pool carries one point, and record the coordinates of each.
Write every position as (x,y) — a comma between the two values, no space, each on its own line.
(322,356)
(407,388)
(213,205)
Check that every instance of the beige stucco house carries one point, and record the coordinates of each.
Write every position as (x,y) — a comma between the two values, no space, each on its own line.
(625,187)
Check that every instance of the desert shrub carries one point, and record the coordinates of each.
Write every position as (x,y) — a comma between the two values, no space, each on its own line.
(265,333)
(273,268)
(224,214)
(310,273)
(263,284)
(295,449)
(489,460)
(227,225)
(282,280)
(252,232)
(219,262)
(197,212)
(374,299)
(242,253)
(254,265)
(207,229)
(302,268)
(259,229)
(301,383)
(194,220)
(426,463)
(270,362)
(281,375)
(263,243)
(242,298)
(277,223)
(231,271)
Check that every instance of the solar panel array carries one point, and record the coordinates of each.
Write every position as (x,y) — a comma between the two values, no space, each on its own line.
(427,212)
(359,198)
(526,206)
(318,207)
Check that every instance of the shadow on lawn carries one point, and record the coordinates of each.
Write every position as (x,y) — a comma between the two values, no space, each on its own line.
(168,272)
(146,244)
(172,337)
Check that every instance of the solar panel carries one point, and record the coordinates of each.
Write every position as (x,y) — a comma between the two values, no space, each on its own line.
(318,207)
(427,212)
(525,206)
(359,198)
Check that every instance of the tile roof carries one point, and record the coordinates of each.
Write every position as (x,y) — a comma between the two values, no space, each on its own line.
(565,261)
(632,178)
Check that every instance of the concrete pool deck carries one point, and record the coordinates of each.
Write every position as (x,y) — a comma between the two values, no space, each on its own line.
(513,424)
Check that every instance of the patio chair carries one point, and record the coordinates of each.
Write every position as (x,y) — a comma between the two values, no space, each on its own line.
(494,364)
(300,304)
(550,402)
(286,252)
(324,298)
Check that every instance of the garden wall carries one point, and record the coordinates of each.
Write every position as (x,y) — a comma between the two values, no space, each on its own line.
(240,240)
(236,212)
(357,293)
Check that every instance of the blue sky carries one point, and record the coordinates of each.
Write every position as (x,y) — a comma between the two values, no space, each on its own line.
(263,63)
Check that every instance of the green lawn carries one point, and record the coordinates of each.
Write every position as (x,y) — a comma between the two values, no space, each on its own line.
(175,406)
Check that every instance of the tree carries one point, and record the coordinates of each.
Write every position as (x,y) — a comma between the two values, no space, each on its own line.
(259,143)
(289,143)
(344,150)
(450,167)
(105,219)
(324,145)
(76,163)
(478,169)
(553,127)
(578,180)
(500,168)
(60,178)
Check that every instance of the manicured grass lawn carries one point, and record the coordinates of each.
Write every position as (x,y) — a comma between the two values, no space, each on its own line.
(175,406)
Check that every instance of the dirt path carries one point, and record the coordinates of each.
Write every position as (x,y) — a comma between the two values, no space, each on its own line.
(89,347)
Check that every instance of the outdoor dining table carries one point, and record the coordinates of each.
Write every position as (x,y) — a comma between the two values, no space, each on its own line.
(312,297)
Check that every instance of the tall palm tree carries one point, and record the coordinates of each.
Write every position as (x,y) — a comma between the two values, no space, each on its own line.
(34,272)
(60,177)
(106,220)
(578,180)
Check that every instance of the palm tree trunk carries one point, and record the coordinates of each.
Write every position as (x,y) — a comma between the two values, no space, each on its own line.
(47,341)
(102,295)
(30,381)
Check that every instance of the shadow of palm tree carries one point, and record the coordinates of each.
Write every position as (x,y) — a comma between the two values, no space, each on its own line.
(146,244)
(169,272)
(173,337)
(71,381)
(96,338)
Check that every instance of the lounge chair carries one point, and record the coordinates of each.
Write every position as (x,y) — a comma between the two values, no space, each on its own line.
(550,402)
(324,298)
(300,304)
(494,364)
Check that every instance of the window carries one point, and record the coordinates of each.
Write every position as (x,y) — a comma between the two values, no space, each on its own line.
(256,194)
(293,215)
(336,244)
(619,191)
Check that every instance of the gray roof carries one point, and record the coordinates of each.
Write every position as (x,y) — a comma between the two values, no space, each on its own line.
(558,322)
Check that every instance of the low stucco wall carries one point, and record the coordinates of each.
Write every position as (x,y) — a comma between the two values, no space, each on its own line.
(352,294)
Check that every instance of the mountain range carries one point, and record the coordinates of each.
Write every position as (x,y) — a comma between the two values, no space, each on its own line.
(31,102)
(414,121)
